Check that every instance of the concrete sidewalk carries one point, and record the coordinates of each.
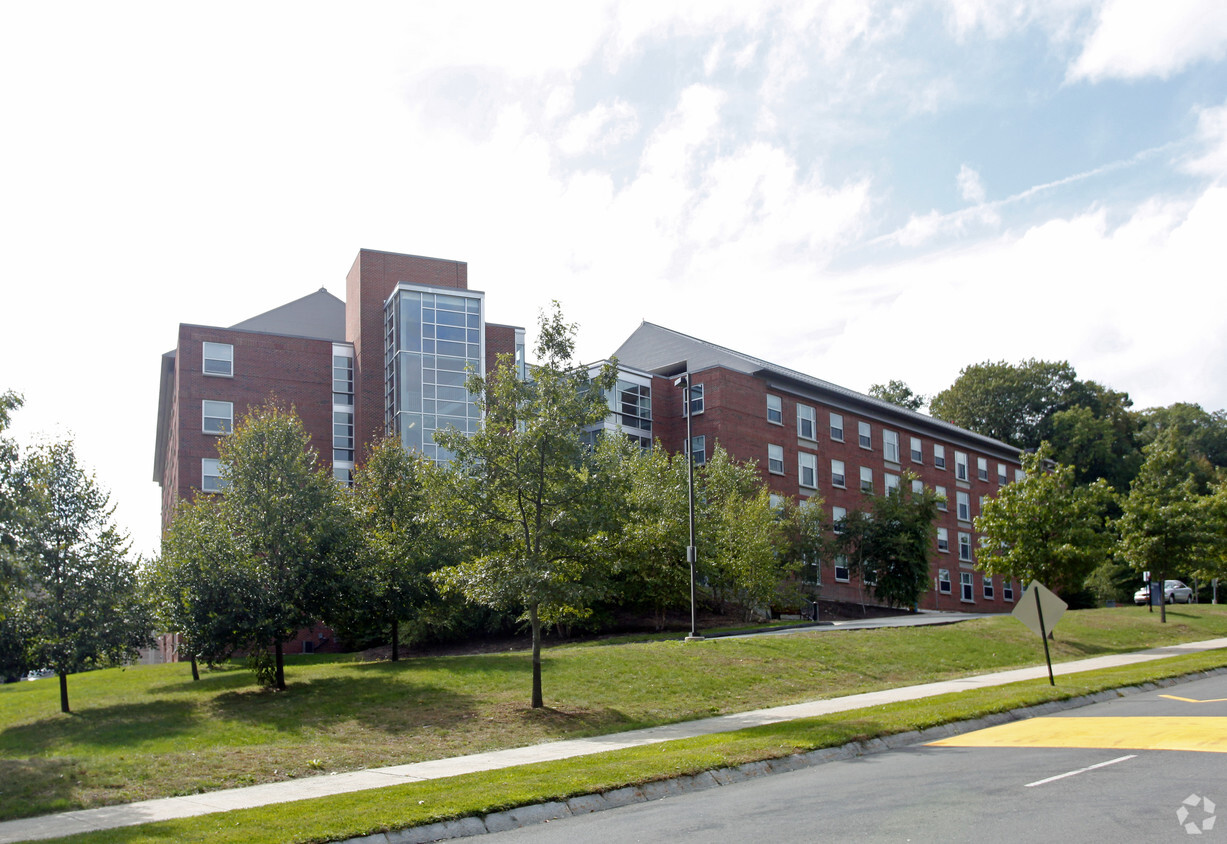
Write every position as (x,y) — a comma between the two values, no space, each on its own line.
(109,817)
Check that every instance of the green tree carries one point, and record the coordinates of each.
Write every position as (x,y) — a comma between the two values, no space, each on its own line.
(400,543)
(80,602)
(1166,525)
(286,526)
(12,635)
(1005,401)
(1203,435)
(897,392)
(525,494)
(1046,526)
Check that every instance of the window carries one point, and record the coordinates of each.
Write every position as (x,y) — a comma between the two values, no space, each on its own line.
(943,540)
(775,410)
(1007,590)
(343,475)
(211,479)
(811,570)
(960,466)
(940,492)
(342,380)
(1002,478)
(837,473)
(964,547)
(964,506)
(890,446)
(939,456)
(943,581)
(807,469)
(982,468)
(864,435)
(696,399)
(807,422)
(866,479)
(918,455)
(918,486)
(988,588)
(838,514)
(837,427)
(841,569)
(218,417)
(1019,474)
(698,446)
(966,590)
(342,436)
(892,482)
(218,359)
(775,459)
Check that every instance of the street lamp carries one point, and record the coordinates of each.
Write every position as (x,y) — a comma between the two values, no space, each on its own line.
(691,554)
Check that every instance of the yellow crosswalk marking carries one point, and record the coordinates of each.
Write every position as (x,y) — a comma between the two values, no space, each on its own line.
(1195,700)
(1205,734)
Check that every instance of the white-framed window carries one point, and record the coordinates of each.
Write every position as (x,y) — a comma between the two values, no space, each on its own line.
(342,436)
(918,455)
(811,570)
(217,417)
(837,474)
(964,547)
(212,479)
(695,398)
(966,587)
(807,469)
(864,435)
(918,486)
(775,501)
(807,422)
(775,410)
(988,587)
(890,446)
(1002,477)
(1007,590)
(982,468)
(343,475)
(841,569)
(866,479)
(775,459)
(837,427)
(939,456)
(218,359)
(891,482)
(943,581)
(342,376)
(981,503)
(940,492)
(699,446)
(960,466)
(943,540)
(838,514)
(1019,474)
(964,506)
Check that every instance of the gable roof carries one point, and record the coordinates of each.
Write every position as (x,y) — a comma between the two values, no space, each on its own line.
(318,316)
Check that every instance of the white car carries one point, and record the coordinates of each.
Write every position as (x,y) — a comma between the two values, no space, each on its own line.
(1173,592)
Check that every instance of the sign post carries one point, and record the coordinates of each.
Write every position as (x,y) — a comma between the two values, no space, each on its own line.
(1040,610)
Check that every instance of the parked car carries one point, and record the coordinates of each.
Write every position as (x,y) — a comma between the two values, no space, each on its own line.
(1173,592)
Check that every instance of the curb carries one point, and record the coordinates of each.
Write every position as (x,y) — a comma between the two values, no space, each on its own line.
(584,804)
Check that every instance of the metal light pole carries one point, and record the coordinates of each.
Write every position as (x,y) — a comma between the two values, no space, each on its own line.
(691,552)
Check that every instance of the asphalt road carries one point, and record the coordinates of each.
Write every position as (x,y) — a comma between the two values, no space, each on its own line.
(1119,771)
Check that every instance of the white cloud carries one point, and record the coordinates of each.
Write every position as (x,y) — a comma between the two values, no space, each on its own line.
(1212,135)
(970,186)
(599,128)
(1137,38)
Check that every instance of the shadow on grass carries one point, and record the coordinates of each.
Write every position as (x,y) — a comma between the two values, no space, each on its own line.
(36,786)
(124,725)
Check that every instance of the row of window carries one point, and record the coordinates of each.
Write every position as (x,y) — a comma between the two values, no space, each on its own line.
(843,574)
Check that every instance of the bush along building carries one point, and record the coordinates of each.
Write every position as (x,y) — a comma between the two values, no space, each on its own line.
(393,356)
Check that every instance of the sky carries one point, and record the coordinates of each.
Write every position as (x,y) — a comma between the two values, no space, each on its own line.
(859,190)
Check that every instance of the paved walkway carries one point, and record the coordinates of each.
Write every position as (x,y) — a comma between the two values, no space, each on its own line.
(109,817)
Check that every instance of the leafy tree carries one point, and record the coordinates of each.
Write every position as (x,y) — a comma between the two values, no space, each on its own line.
(525,494)
(79,602)
(12,635)
(285,524)
(1167,526)
(1203,434)
(897,392)
(1005,401)
(400,544)
(1046,526)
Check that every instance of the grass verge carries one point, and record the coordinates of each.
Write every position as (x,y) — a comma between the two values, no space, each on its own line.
(343,816)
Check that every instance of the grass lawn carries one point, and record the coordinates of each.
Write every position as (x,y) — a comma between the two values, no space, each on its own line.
(149,731)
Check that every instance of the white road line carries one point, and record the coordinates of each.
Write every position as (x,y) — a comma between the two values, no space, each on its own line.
(1080,771)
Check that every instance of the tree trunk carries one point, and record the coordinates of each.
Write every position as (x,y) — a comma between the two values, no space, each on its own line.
(63,691)
(395,640)
(195,668)
(535,620)
(279,684)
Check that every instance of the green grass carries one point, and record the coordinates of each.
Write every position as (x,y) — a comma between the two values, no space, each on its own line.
(149,731)
(396,807)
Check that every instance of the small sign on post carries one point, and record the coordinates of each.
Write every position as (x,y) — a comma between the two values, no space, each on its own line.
(1040,610)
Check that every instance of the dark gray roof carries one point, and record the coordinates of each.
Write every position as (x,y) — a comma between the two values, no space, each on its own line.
(667,352)
(318,315)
